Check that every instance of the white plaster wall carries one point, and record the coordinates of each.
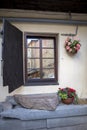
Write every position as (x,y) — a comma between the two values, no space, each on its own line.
(3,90)
(0,60)
(71,69)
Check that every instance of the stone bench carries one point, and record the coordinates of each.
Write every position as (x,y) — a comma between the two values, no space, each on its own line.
(65,117)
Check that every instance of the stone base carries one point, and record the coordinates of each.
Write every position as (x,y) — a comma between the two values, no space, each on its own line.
(65,117)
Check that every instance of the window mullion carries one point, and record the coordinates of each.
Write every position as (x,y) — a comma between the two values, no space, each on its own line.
(41,58)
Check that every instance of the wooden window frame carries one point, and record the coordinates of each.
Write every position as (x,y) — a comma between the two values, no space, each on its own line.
(48,81)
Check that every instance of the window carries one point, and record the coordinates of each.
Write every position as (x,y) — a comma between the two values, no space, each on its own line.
(41,59)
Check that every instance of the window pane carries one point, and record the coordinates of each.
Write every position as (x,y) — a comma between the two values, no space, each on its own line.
(48,63)
(47,53)
(33,63)
(33,73)
(48,73)
(48,43)
(32,42)
(33,53)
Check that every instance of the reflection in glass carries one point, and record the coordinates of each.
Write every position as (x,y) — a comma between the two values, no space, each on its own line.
(48,43)
(40,58)
(48,63)
(33,53)
(48,73)
(47,53)
(33,63)
(32,42)
(33,73)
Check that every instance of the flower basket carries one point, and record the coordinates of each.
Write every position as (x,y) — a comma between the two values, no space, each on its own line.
(68,95)
(67,101)
(72,45)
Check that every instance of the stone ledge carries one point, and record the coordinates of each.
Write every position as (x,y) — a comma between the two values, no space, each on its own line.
(65,117)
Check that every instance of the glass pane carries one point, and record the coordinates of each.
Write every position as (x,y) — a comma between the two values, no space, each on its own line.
(32,42)
(48,73)
(33,53)
(48,63)
(33,73)
(47,53)
(48,43)
(33,63)
(40,58)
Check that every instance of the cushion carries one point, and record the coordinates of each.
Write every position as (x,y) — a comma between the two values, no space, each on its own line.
(38,101)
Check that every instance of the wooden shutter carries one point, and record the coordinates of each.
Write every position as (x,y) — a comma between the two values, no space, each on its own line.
(12,56)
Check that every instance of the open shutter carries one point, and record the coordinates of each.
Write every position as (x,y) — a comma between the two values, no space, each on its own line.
(12,56)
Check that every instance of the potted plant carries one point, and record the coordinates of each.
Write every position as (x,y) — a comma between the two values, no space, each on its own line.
(68,95)
(72,45)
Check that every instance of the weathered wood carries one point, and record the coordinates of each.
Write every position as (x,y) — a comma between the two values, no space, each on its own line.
(12,57)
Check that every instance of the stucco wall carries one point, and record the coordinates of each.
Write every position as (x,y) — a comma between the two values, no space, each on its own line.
(71,69)
(3,90)
(0,60)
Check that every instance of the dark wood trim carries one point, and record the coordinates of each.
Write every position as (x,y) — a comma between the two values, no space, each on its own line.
(25,55)
(56,55)
(43,81)
(41,58)
(12,56)
(43,35)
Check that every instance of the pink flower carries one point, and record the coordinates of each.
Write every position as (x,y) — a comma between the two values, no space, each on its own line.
(67,47)
(66,41)
(77,48)
(70,50)
(74,47)
(78,45)
(69,43)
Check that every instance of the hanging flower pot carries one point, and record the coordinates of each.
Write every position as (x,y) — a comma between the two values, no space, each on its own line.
(72,45)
